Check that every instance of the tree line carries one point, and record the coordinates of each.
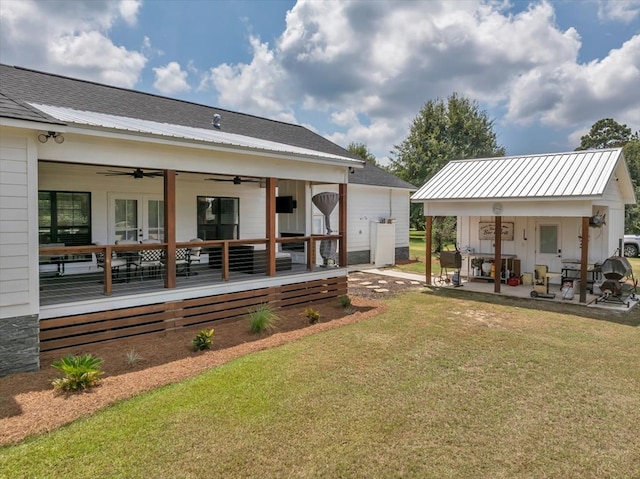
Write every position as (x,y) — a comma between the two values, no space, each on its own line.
(457,129)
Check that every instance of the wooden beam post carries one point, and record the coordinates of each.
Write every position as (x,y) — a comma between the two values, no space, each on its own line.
(428,239)
(342,225)
(108,276)
(271,226)
(170,228)
(584,246)
(497,260)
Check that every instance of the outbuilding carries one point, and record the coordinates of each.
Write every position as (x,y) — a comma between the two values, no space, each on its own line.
(564,211)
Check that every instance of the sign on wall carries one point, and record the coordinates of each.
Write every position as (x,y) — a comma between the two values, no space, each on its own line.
(488,231)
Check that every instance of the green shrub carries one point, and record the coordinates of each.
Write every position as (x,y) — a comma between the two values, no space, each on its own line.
(133,358)
(312,315)
(81,372)
(203,340)
(262,319)
(344,300)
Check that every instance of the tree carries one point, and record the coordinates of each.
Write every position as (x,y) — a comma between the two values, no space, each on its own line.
(632,155)
(608,133)
(361,150)
(442,131)
(605,133)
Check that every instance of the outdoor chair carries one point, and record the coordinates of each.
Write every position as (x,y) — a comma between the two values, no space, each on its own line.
(150,259)
(194,255)
(116,263)
(182,260)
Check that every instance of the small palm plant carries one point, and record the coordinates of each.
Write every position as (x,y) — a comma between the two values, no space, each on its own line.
(81,372)
(203,340)
(262,319)
(312,315)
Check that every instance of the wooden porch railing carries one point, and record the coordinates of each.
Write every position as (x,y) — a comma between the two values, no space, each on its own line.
(226,249)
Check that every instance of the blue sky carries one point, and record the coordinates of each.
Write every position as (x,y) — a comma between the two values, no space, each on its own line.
(353,71)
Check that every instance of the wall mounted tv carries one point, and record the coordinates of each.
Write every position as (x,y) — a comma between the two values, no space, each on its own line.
(285,204)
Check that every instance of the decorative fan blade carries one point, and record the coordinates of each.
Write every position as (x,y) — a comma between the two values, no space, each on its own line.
(137,173)
(236,180)
(113,173)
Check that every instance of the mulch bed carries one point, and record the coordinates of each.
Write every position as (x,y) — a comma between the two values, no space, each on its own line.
(29,405)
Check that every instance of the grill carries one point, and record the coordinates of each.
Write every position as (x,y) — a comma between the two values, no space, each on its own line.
(450,260)
(616,270)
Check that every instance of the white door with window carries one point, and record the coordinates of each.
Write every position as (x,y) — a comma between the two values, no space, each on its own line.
(136,217)
(549,245)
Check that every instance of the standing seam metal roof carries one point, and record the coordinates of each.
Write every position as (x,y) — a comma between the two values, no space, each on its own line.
(115,122)
(553,175)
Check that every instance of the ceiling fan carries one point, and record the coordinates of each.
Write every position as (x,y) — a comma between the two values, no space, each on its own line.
(137,173)
(236,180)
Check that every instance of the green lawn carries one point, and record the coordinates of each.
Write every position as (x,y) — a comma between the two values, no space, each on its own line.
(437,386)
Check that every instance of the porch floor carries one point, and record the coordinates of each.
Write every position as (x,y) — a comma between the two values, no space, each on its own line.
(520,291)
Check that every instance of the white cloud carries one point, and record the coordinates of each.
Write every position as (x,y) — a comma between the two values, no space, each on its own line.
(171,79)
(625,11)
(129,10)
(71,39)
(259,88)
(380,61)
(567,93)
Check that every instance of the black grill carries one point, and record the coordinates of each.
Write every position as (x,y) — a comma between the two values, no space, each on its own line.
(616,269)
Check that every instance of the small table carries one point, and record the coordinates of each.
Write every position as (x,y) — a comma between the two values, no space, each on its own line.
(593,275)
(58,259)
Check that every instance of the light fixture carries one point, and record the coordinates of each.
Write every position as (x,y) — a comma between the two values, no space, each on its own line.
(352,170)
(57,137)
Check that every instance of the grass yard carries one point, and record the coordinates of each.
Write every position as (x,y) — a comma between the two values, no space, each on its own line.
(435,387)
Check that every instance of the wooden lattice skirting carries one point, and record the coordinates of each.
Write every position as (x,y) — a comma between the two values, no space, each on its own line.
(68,332)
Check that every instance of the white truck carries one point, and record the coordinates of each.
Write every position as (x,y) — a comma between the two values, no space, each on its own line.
(631,246)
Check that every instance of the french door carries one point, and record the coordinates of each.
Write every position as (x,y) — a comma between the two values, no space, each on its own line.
(136,217)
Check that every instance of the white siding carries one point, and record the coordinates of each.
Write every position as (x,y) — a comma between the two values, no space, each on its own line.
(15,268)
(366,205)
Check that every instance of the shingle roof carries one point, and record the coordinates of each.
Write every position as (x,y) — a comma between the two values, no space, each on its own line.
(207,135)
(13,109)
(373,175)
(576,174)
(21,86)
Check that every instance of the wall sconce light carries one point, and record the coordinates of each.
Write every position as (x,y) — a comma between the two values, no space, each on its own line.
(352,170)
(57,137)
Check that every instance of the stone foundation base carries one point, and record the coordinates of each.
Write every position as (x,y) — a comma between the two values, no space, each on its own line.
(19,345)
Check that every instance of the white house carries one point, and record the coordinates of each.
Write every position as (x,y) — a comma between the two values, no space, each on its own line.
(125,213)
(561,210)
(377,215)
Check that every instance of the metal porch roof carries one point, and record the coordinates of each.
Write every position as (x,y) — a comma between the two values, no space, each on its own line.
(136,125)
(575,174)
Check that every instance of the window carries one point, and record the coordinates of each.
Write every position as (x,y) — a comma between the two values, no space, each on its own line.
(218,218)
(549,239)
(64,217)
